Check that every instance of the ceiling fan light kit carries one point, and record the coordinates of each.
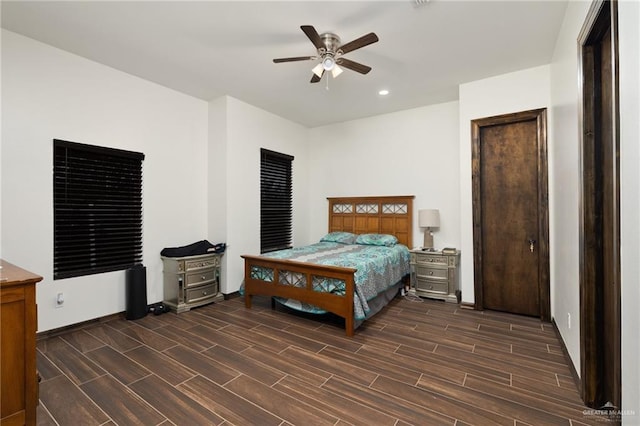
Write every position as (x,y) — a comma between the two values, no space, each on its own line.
(318,70)
(330,53)
(328,62)
(336,71)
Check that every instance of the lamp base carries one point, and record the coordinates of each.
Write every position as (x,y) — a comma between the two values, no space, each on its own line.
(428,239)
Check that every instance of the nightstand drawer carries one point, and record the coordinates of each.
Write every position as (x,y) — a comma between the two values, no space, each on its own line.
(201,293)
(431,273)
(428,259)
(432,286)
(200,277)
(201,263)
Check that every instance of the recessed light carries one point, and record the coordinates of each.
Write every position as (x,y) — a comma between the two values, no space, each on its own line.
(383,92)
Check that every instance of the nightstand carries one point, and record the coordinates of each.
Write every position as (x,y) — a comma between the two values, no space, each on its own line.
(191,281)
(435,275)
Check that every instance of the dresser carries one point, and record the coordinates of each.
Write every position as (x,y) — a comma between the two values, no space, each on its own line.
(18,376)
(435,274)
(191,281)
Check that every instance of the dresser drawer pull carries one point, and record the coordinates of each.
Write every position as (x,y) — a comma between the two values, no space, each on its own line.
(430,272)
(204,277)
(204,293)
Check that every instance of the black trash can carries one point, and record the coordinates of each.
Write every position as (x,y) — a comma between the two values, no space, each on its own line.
(136,292)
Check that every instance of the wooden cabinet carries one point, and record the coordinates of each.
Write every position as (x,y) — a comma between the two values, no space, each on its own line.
(191,281)
(435,274)
(18,326)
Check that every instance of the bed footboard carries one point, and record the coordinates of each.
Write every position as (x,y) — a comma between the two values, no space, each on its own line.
(300,281)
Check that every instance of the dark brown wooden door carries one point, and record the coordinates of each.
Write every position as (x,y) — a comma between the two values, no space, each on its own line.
(510,214)
(510,218)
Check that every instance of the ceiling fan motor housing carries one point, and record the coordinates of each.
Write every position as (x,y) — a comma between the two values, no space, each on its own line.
(330,51)
(331,43)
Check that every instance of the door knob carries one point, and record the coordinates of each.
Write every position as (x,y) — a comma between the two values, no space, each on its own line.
(532,245)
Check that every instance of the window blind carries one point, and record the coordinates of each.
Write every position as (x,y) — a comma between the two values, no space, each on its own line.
(97,209)
(275,200)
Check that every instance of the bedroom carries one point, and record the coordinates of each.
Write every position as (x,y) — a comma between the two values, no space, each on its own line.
(198,171)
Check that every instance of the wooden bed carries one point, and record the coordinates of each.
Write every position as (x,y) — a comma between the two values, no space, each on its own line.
(359,215)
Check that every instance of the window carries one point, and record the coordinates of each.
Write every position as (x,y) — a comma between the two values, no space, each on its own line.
(97,209)
(275,201)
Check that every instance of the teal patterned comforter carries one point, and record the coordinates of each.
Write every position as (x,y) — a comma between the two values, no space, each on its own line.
(378,268)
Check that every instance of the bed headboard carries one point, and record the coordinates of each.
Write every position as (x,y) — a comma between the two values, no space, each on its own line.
(373,215)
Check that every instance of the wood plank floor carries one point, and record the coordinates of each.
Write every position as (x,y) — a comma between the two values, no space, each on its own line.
(418,362)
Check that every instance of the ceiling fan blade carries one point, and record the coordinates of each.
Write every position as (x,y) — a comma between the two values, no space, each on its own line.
(354,66)
(316,79)
(363,41)
(296,58)
(313,35)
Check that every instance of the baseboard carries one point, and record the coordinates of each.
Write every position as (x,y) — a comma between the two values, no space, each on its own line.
(467,305)
(574,373)
(55,331)
(231,295)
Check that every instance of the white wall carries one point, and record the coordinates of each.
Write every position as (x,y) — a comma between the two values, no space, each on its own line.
(1,97)
(412,152)
(565,98)
(248,129)
(504,94)
(566,182)
(217,180)
(629,52)
(47,94)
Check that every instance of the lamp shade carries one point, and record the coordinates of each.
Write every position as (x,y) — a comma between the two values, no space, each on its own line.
(318,70)
(428,218)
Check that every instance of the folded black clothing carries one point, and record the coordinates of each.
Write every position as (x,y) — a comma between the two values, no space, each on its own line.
(200,247)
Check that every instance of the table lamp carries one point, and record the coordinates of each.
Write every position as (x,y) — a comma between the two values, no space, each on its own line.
(428,218)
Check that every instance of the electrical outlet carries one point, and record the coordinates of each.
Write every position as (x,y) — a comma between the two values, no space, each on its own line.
(60,300)
(569,320)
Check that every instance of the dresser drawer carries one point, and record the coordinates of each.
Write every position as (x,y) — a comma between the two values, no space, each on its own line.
(201,293)
(197,278)
(431,273)
(432,286)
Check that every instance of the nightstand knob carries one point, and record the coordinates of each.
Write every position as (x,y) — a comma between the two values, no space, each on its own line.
(204,293)
(430,260)
(430,272)
(204,277)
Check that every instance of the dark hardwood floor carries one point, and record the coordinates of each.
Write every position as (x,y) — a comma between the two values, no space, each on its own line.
(418,362)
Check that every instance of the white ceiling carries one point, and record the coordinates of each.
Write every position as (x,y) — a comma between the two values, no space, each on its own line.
(212,48)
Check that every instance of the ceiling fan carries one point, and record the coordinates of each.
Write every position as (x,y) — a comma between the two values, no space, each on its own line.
(330,53)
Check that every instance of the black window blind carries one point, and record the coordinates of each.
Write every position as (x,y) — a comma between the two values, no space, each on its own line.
(97,199)
(275,200)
